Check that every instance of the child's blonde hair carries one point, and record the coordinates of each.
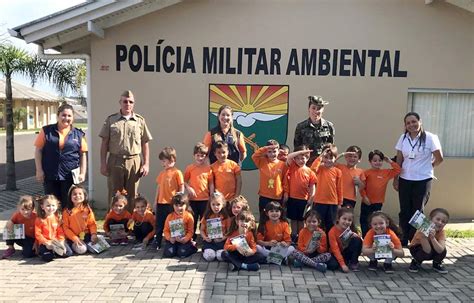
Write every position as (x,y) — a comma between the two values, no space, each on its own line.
(27,202)
(216,196)
(239,199)
(40,201)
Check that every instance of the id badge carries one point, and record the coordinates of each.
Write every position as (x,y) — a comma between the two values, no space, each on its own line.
(411,155)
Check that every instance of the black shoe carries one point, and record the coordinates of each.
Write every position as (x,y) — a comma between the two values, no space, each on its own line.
(387,267)
(414,266)
(373,265)
(439,268)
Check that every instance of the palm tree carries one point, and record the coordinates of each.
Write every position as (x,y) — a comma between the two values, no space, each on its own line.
(15,61)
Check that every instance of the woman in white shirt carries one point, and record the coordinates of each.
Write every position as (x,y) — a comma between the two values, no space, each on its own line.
(418,152)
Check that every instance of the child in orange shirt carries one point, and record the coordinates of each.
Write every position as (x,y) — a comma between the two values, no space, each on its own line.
(345,244)
(212,248)
(24,215)
(328,195)
(169,182)
(78,220)
(198,182)
(273,230)
(432,247)
(301,186)
(312,244)
(353,178)
(382,224)
(376,179)
(272,172)
(179,229)
(240,249)
(227,178)
(283,152)
(118,215)
(48,231)
(143,222)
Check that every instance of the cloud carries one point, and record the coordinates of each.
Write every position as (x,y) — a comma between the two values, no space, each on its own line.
(247,120)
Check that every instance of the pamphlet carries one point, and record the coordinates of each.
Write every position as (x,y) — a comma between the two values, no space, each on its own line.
(241,243)
(346,236)
(277,254)
(214,228)
(315,241)
(421,223)
(98,247)
(75,175)
(117,231)
(177,228)
(382,244)
(16,233)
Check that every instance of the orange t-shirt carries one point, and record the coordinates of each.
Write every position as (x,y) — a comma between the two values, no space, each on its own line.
(249,237)
(335,244)
(369,238)
(41,140)
(439,235)
(300,180)
(111,215)
(348,186)
(199,177)
(225,224)
(188,222)
(225,177)
(147,217)
(271,175)
(376,182)
(207,140)
(304,237)
(48,229)
(169,182)
(17,218)
(77,220)
(329,189)
(279,232)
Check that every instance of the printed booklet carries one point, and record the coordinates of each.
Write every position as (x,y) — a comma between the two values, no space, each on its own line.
(16,233)
(98,247)
(277,254)
(315,241)
(241,243)
(382,244)
(177,228)
(421,223)
(117,231)
(214,228)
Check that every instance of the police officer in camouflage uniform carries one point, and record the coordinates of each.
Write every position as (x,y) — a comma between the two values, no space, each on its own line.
(125,137)
(314,132)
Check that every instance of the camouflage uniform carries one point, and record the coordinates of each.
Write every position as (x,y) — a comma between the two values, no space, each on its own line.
(314,136)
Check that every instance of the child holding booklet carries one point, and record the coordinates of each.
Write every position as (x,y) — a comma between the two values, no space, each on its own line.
(143,221)
(240,249)
(179,229)
(116,220)
(382,241)
(433,246)
(214,227)
(26,216)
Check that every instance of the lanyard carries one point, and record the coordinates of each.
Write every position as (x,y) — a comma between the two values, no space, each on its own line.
(412,145)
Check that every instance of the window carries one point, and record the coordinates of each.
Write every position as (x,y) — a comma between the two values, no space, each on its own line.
(449,114)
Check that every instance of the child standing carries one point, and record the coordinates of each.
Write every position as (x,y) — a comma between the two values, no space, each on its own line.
(198,182)
(78,220)
(345,244)
(212,248)
(169,182)
(382,224)
(272,171)
(312,244)
(376,179)
(227,178)
(301,185)
(283,152)
(240,249)
(353,178)
(118,215)
(328,195)
(180,220)
(432,247)
(143,221)
(273,230)
(48,231)
(24,215)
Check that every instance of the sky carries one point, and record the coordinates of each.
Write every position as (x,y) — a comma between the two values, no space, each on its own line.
(18,12)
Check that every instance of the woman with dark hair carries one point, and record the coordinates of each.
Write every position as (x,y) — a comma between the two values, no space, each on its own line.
(225,131)
(418,152)
(60,148)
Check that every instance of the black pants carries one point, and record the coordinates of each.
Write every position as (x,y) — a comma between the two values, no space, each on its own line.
(27,245)
(58,188)
(177,249)
(327,213)
(141,230)
(48,255)
(365,212)
(348,203)
(237,259)
(413,196)
(162,211)
(350,254)
(420,255)
(198,207)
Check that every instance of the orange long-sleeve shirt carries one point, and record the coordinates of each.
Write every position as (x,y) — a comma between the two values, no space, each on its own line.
(147,217)
(304,237)
(376,181)
(225,177)
(348,186)
(77,220)
(271,175)
(17,218)
(111,215)
(329,179)
(300,181)
(279,231)
(224,221)
(169,182)
(199,177)
(248,236)
(188,222)
(48,229)
(369,238)
(335,244)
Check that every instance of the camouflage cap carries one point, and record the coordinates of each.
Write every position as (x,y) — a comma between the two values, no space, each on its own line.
(317,100)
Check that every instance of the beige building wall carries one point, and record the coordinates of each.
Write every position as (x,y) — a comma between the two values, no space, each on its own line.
(435,42)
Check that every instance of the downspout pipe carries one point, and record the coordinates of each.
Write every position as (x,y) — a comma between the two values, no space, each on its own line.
(87,58)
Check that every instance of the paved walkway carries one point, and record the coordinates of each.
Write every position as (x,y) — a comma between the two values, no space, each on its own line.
(9,199)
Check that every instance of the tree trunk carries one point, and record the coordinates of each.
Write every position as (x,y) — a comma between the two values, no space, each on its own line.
(11,174)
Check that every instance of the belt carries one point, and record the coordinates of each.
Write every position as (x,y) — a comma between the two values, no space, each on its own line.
(125,156)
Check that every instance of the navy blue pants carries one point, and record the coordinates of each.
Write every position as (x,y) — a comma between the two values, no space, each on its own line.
(177,249)
(141,230)
(48,255)
(27,245)
(162,211)
(58,188)
(198,207)
(348,203)
(420,255)
(237,259)
(365,212)
(327,213)
(350,254)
